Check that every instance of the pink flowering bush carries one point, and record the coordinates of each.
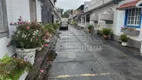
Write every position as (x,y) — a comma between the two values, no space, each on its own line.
(31,34)
(28,35)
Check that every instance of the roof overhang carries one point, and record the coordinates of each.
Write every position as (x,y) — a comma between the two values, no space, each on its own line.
(139,4)
(107,15)
(129,5)
(94,17)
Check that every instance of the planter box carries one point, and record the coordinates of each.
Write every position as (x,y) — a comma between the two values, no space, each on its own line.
(124,44)
(23,76)
(132,33)
(26,54)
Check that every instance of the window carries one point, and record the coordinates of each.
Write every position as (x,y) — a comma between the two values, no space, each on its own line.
(3,19)
(133,17)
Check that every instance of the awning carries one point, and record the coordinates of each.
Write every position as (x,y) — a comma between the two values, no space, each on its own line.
(129,5)
(107,15)
(94,17)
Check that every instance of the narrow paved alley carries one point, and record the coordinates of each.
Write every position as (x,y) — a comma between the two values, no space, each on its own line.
(81,58)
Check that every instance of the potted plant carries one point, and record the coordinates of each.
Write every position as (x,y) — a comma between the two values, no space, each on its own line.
(49,30)
(111,36)
(55,26)
(124,39)
(106,32)
(130,31)
(26,39)
(90,28)
(13,68)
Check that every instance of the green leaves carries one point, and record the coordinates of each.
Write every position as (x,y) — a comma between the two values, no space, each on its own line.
(26,35)
(30,35)
(12,68)
(106,31)
(90,26)
(124,38)
(50,28)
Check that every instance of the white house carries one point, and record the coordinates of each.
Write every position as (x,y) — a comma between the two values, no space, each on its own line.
(10,12)
(116,15)
(130,15)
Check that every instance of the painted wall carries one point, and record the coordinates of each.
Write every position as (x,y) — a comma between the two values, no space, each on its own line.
(15,9)
(3,47)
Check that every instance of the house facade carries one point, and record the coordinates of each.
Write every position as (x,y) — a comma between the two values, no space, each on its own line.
(102,13)
(131,13)
(116,15)
(11,11)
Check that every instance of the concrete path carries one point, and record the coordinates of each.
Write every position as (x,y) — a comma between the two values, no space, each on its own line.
(81,58)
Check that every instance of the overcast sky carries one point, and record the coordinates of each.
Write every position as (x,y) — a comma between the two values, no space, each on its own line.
(69,4)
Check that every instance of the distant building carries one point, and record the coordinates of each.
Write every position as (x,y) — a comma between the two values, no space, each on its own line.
(76,15)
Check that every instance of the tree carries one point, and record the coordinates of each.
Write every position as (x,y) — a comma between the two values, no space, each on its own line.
(66,14)
(62,10)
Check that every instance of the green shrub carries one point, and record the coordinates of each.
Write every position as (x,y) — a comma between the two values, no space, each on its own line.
(27,35)
(124,38)
(50,28)
(55,25)
(106,31)
(74,23)
(90,26)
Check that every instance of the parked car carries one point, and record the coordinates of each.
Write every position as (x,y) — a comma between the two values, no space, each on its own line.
(64,24)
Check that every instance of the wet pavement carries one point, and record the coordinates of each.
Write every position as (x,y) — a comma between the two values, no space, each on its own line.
(82,58)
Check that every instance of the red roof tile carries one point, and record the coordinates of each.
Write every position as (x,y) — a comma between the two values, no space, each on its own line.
(128,5)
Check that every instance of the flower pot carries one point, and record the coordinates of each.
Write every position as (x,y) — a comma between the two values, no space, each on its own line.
(26,54)
(39,48)
(105,37)
(124,43)
(47,41)
(23,76)
(89,30)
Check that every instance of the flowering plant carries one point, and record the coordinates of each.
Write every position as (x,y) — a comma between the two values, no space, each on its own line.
(28,35)
(128,28)
(49,30)
(124,38)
